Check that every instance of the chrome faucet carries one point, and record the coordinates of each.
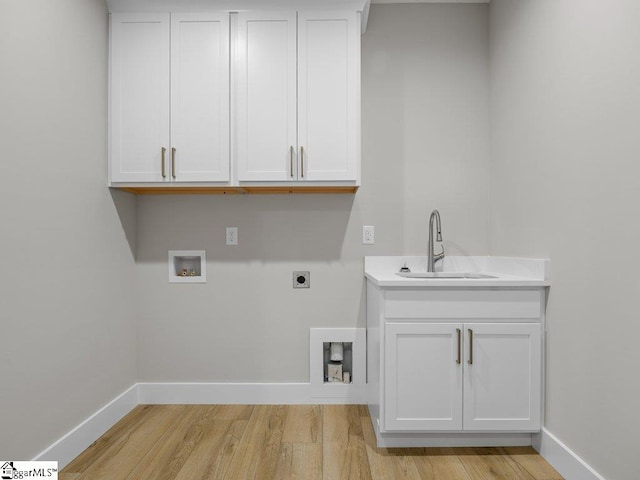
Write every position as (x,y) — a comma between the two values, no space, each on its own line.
(431,257)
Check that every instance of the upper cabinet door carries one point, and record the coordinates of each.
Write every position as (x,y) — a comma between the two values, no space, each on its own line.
(200,97)
(328,95)
(139,96)
(266,96)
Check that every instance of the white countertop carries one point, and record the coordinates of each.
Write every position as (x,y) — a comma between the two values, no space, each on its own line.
(508,271)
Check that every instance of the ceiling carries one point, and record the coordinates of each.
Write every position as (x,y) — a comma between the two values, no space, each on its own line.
(227,5)
(430,1)
(235,5)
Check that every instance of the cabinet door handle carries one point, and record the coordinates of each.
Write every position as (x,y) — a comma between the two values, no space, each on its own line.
(459,333)
(173,162)
(301,162)
(470,361)
(164,150)
(291,160)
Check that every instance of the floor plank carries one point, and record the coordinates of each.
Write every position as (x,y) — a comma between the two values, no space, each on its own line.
(234,412)
(166,458)
(299,461)
(528,459)
(259,449)
(488,464)
(441,464)
(303,424)
(211,458)
(383,463)
(344,454)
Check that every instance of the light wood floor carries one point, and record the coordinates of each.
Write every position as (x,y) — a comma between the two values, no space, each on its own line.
(264,442)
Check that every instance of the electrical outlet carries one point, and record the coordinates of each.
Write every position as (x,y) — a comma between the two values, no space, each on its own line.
(232,235)
(368,235)
(301,280)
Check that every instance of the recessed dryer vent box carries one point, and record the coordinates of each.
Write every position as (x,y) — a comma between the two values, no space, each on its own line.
(187,266)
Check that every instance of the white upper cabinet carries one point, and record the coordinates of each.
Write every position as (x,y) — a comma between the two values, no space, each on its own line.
(139,96)
(169,103)
(239,102)
(267,123)
(298,96)
(328,95)
(200,96)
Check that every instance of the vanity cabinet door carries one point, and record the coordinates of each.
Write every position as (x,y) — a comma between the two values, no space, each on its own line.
(502,380)
(423,376)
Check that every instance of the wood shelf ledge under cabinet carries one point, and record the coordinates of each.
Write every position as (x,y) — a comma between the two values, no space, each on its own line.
(244,190)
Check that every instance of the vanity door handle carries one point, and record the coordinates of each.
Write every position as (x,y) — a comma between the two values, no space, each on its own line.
(301,162)
(459,334)
(470,361)
(291,160)
(164,150)
(173,162)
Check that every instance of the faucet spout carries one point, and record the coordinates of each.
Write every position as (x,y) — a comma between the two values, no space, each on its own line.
(432,257)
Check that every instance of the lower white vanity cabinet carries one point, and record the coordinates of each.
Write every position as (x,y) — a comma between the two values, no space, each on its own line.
(456,360)
(461,376)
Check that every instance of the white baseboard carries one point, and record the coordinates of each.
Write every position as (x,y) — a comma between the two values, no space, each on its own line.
(77,440)
(245,393)
(562,458)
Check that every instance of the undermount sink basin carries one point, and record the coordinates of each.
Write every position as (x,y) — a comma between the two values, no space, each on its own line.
(443,275)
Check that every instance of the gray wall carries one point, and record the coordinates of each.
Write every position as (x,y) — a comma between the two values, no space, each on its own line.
(425,141)
(67,323)
(565,184)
